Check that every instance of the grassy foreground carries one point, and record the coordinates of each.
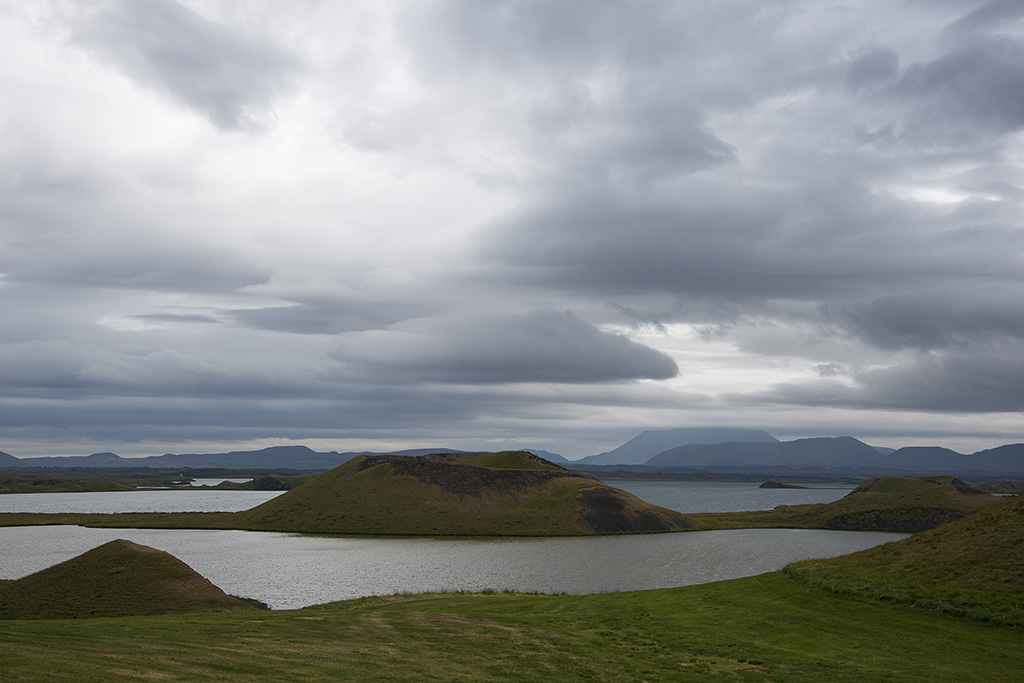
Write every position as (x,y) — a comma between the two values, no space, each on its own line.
(766,628)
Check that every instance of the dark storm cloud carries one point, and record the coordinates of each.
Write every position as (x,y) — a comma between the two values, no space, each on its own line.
(144,267)
(938,320)
(541,347)
(983,378)
(990,15)
(971,93)
(641,136)
(225,75)
(872,68)
(328,315)
(823,243)
(79,369)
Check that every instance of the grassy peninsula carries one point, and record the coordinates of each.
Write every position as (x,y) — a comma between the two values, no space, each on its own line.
(885,503)
(519,494)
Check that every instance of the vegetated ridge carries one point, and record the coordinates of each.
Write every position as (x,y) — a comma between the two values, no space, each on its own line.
(506,493)
(973,567)
(119,578)
(884,503)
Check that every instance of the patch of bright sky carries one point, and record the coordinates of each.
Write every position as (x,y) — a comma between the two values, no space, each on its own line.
(717,365)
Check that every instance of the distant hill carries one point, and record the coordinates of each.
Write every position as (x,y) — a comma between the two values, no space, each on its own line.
(883,503)
(119,578)
(508,493)
(890,503)
(726,451)
(818,452)
(547,455)
(842,453)
(647,444)
(281,457)
(983,551)
(970,567)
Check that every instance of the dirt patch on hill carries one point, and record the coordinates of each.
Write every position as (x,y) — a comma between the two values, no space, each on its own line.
(606,510)
(904,520)
(464,480)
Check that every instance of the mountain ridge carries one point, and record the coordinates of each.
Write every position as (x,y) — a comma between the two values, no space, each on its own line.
(829,455)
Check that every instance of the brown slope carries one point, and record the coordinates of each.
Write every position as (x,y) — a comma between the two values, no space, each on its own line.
(119,578)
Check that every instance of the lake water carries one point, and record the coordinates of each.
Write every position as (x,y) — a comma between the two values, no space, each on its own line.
(289,571)
(156,500)
(292,570)
(727,496)
(684,496)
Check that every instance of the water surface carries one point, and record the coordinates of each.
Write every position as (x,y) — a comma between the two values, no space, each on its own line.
(109,502)
(727,496)
(292,570)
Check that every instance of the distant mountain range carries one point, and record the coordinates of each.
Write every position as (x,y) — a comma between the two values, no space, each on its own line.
(275,457)
(646,445)
(667,450)
(822,455)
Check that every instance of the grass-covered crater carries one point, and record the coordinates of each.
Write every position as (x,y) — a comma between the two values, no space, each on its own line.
(511,493)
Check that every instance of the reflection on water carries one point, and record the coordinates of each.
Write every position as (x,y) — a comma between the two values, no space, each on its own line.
(684,496)
(107,502)
(727,496)
(290,570)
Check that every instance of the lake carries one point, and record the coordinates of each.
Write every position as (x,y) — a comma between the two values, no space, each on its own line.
(728,496)
(154,500)
(289,571)
(684,496)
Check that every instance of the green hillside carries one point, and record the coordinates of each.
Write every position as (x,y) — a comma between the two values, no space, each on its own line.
(760,629)
(973,566)
(119,578)
(908,504)
(500,494)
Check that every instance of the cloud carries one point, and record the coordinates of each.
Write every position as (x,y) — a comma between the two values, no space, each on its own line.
(69,370)
(224,74)
(985,378)
(777,206)
(871,69)
(540,347)
(989,15)
(938,320)
(973,90)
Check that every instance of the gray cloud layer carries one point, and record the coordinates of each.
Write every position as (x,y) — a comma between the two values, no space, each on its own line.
(224,74)
(777,215)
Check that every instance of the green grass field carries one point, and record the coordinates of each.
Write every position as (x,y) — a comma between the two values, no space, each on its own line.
(767,628)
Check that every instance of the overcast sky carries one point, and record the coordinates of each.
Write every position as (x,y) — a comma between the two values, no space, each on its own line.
(483,224)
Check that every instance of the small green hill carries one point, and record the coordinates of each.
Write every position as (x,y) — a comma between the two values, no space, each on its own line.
(119,578)
(973,566)
(511,493)
(983,551)
(908,504)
